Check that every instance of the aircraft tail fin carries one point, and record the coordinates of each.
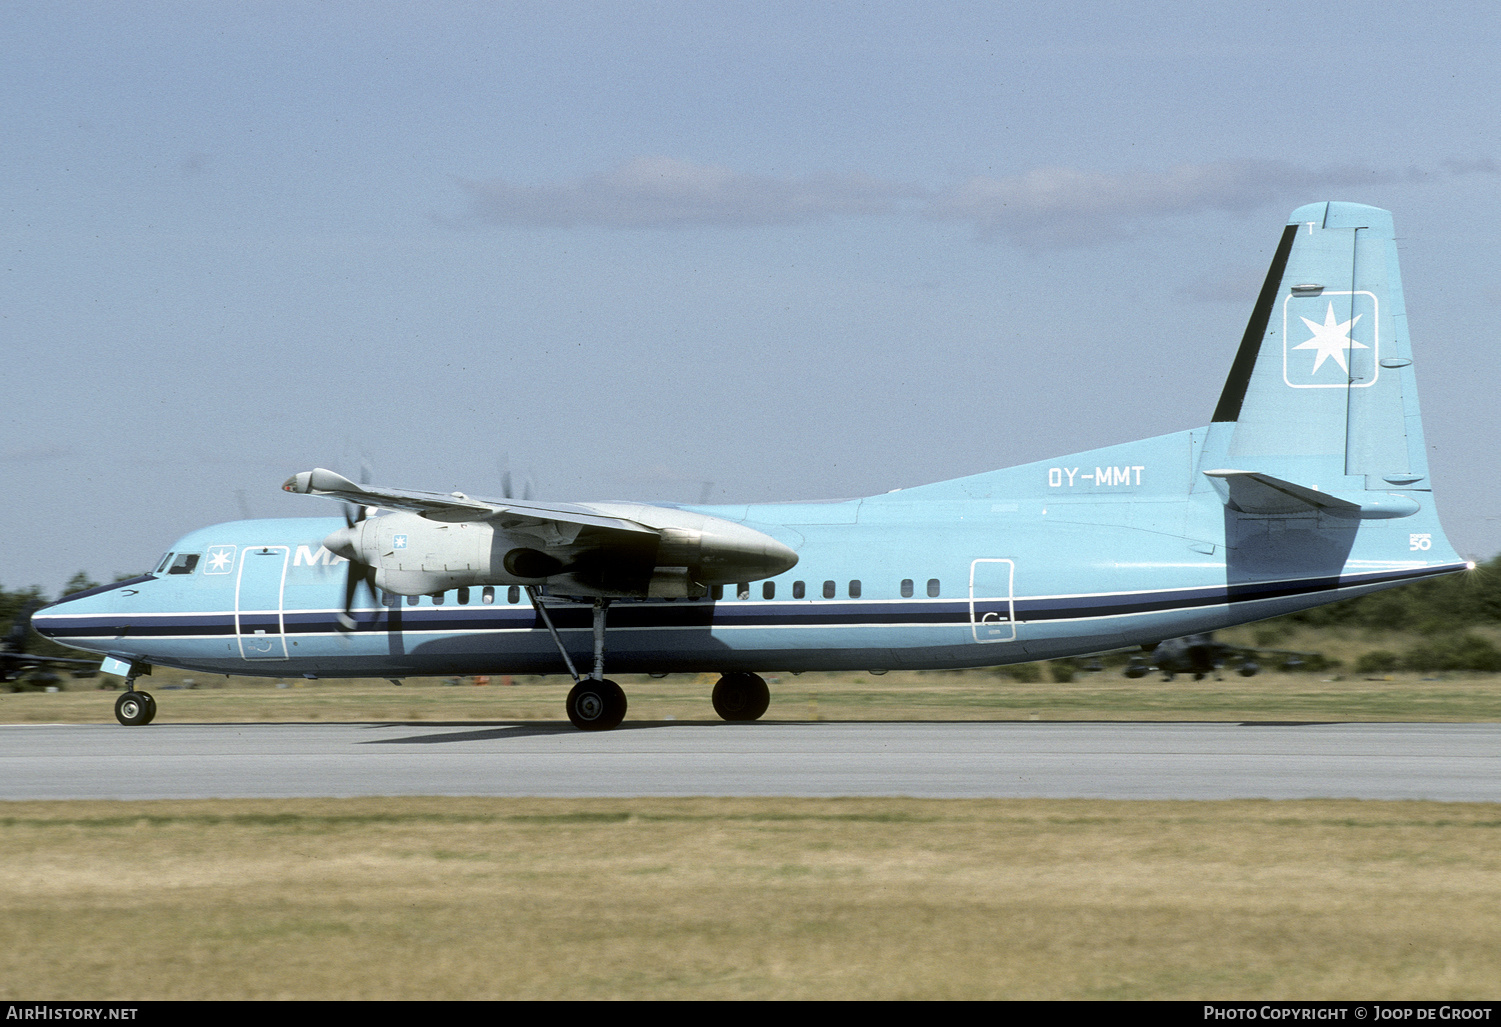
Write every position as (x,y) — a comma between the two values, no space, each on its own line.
(1322,390)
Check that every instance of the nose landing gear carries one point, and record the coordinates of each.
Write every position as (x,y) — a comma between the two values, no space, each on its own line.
(134,707)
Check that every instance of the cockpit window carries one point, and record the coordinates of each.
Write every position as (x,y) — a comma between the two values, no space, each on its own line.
(163,565)
(184,563)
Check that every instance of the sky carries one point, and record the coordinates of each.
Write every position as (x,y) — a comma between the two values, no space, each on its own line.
(676,251)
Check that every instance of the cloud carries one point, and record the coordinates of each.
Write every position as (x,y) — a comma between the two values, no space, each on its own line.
(661,192)
(1067,207)
(1041,208)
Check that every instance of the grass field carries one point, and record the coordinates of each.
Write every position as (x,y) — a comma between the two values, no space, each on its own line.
(964,695)
(749,898)
(758,898)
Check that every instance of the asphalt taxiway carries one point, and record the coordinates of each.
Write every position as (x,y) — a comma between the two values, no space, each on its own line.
(1454,762)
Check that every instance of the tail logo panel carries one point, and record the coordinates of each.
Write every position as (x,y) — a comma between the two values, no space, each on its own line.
(1332,355)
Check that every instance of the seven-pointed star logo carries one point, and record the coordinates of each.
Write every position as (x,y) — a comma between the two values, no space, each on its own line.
(1331,340)
(220,559)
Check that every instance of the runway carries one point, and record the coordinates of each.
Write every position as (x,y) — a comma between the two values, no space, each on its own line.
(1453,762)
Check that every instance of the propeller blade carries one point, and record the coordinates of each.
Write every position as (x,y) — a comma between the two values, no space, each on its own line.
(356,575)
(351,582)
(355,514)
(508,481)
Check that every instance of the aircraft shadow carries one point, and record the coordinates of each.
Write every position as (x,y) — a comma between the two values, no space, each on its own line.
(516,729)
(501,730)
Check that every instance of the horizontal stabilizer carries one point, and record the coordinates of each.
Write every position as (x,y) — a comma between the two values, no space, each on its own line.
(1256,493)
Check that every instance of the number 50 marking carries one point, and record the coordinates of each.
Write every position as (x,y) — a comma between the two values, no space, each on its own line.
(1417,542)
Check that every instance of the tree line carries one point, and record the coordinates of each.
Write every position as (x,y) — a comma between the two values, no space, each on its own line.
(1443,612)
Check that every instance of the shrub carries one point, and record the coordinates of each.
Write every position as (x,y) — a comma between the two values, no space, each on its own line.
(1453,652)
(1377,661)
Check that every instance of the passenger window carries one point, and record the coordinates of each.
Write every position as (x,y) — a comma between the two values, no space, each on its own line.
(828,590)
(906,588)
(742,590)
(463,597)
(488,595)
(769,590)
(716,593)
(855,589)
(184,563)
(413,600)
(438,598)
(513,594)
(390,599)
(799,590)
(932,588)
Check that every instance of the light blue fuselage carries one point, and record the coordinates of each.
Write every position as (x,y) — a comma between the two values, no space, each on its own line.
(1113,548)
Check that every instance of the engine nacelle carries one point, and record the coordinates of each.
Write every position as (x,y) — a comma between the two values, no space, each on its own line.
(414,555)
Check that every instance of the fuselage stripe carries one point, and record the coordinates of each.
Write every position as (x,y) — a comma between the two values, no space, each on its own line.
(732,615)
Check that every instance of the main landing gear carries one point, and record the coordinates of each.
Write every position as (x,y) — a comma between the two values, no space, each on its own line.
(596,703)
(741,696)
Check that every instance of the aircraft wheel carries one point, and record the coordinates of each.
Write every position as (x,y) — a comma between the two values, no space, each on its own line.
(134,708)
(595,705)
(741,697)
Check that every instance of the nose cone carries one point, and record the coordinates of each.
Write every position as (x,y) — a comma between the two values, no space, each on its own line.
(344,542)
(92,620)
(46,622)
(56,620)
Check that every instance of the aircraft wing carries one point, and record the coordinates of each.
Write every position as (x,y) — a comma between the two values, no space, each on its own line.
(561,519)
(14,664)
(32,660)
(605,548)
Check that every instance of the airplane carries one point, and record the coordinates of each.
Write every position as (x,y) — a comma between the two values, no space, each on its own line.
(1200,655)
(21,669)
(1309,485)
